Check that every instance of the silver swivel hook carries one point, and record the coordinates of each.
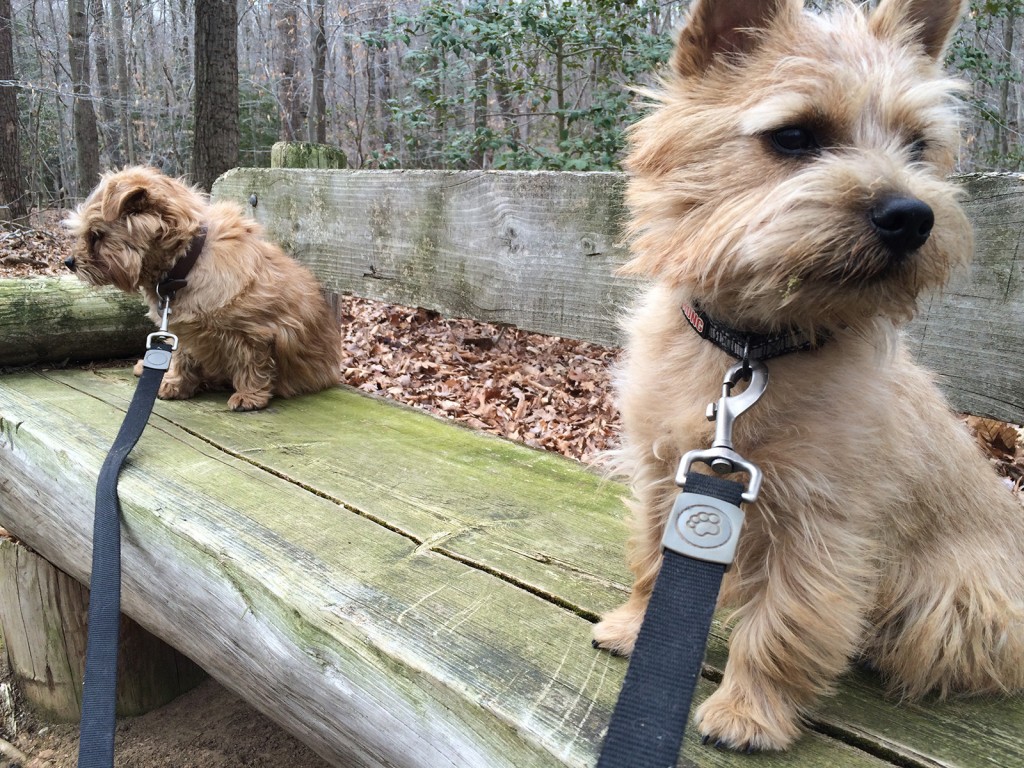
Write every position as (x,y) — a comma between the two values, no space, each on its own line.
(722,456)
(160,358)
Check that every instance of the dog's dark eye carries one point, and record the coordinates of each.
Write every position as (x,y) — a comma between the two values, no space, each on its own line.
(795,141)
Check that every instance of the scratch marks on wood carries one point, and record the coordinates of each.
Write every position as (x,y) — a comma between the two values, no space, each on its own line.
(420,602)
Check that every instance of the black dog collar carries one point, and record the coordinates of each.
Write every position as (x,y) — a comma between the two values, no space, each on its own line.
(175,279)
(750,346)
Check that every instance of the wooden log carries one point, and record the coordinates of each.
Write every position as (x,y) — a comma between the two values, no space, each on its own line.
(538,251)
(392,589)
(62,319)
(43,619)
(428,605)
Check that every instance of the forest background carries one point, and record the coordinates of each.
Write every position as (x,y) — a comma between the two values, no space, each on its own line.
(199,86)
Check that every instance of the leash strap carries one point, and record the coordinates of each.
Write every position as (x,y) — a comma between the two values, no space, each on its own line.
(647,725)
(96,745)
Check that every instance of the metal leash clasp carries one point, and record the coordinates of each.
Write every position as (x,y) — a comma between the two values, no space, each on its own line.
(721,456)
(160,359)
(704,527)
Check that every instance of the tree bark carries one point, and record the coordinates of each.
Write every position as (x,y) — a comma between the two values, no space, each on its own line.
(382,20)
(109,127)
(86,134)
(287,26)
(122,89)
(12,183)
(217,121)
(318,99)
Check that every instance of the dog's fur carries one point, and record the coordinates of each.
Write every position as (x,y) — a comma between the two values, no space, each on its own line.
(250,317)
(880,532)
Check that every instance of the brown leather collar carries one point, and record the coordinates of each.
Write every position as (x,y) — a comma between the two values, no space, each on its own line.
(175,279)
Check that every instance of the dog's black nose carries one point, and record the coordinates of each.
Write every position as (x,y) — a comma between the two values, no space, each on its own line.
(69,262)
(903,223)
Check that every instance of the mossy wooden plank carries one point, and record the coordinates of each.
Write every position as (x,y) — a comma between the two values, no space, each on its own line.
(534,517)
(969,333)
(534,249)
(972,733)
(369,646)
(539,251)
(50,319)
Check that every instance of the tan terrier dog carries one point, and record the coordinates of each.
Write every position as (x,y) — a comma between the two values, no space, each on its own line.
(249,317)
(792,181)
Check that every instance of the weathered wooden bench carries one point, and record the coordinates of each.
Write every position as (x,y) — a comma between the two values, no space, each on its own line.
(396,590)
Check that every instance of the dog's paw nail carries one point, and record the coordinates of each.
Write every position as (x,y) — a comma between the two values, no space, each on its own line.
(614,652)
(705,739)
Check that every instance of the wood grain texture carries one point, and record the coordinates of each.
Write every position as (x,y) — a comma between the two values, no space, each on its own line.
(970,334)
(538,251)
(348,603)
(50,319)
(43,618)
(532,249)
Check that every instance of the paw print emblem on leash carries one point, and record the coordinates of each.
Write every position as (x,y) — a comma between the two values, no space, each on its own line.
(704,526)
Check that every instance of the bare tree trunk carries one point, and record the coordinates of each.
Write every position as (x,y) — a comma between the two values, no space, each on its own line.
(217,125)
(12,183)
(87,140)
(109,126)
(288,85)
(381,21)
(1002,124)
(122,90)
(318,100)
(479,111)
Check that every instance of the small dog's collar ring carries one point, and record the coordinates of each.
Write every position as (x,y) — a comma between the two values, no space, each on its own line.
(722,456)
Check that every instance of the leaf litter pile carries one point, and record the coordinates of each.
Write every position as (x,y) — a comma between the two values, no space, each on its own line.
(544,391)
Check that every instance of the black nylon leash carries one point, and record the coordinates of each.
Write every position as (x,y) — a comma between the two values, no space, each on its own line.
(650,715)
(99,692)
(701,533)
(96,744)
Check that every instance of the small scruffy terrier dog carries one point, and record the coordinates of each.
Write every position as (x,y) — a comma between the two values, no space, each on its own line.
(249,316)
(792,181)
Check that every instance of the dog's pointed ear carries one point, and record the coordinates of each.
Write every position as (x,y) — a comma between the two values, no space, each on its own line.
(123,200)
(930,23)
(717,27)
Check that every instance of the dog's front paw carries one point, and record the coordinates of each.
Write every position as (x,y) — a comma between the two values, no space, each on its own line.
(617,631)
(173,389)
(248,401)
(137,370)
(746,722)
